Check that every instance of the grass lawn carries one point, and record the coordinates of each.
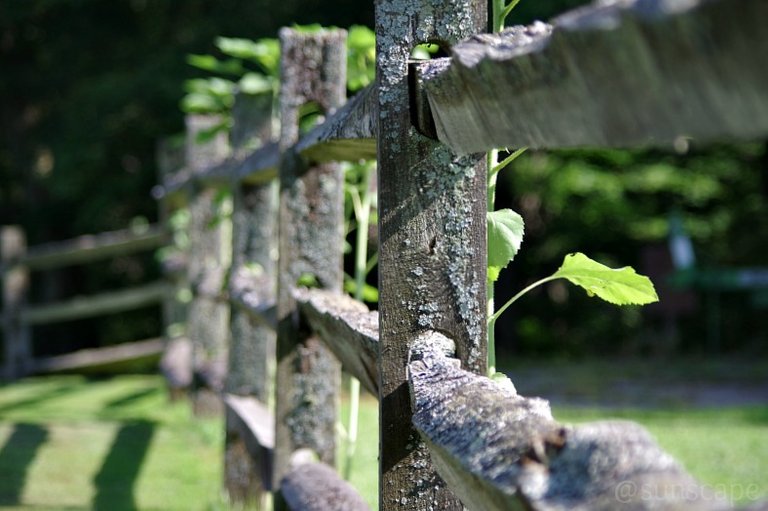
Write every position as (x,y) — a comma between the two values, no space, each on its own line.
(115,444)
(68,443)
(725,447)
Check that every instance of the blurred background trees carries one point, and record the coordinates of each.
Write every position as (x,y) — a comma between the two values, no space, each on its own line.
(88,87)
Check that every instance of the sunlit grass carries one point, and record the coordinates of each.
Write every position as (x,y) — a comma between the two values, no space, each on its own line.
(80,444)
(71,443)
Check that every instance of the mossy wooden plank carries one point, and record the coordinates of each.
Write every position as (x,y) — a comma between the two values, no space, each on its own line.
(501,451)
(348,328)
(626,74)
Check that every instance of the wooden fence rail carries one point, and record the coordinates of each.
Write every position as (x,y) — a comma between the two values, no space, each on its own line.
(19,316)
(644,72)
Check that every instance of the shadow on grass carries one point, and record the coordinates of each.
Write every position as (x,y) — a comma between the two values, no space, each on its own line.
(41,397)
(115,481)
(16,456)
(130,398)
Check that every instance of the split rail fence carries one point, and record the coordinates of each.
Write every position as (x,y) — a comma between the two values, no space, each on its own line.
(630,73)
(19,316)
(626,73)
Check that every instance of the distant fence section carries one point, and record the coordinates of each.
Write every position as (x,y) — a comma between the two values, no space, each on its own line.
(19,316)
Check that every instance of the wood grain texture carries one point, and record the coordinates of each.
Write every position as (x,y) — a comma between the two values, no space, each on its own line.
(631,73)
(501,451)
(313,67)
(348,328)
(432,242)
(248,471)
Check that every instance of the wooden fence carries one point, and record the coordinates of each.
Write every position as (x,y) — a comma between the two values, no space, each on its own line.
(626,73)
(633,73)
(19,316)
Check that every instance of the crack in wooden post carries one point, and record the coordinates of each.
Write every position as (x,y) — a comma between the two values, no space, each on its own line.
(432,266)
(254,262)
(313,67)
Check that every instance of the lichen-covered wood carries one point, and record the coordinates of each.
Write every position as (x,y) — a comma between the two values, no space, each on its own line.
(208,324)
(254,256)
(348,328)
(254,262)
(432,241)
(499,451)
(313,68)
(313,486)
(630,73)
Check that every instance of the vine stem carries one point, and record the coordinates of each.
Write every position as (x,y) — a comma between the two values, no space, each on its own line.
(362,207)
(498,313)
(493,156)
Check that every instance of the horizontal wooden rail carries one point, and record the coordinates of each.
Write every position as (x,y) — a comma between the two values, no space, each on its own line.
(91,247)
(95,358)
(643,72)
(348,328)
(314,486)
(258,167)
(254,424)
(346,135)
(96,305)
(498,450)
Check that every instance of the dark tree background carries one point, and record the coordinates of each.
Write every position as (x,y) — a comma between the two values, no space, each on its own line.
(87,88)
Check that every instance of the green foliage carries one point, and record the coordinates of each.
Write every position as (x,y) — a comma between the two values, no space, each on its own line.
(253,66)
(366,293)
(361,57)
(621,286)
(614,205)
(505,234)
(501,9)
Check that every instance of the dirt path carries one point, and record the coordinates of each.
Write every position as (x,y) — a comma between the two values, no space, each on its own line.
(692,383)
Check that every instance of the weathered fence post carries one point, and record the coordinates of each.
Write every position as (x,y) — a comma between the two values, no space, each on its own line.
(432,262)
(17,334)
(208,324)
(252,279)
(313,68)
(176,362)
